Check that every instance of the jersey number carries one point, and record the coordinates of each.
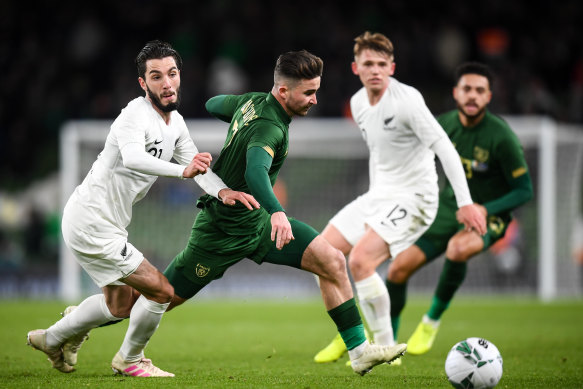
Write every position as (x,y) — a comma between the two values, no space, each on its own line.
(395,214)
(155,152)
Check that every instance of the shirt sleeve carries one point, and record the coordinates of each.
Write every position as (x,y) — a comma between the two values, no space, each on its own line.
(421,120)
(136,158)
(257,178)
(520,193)
(452,166)
(222,107)
(515,171)
(184,153)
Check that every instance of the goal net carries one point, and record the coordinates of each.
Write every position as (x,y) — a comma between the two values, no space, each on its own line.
(326,168)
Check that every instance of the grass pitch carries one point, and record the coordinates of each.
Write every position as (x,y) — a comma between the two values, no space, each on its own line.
(258,344)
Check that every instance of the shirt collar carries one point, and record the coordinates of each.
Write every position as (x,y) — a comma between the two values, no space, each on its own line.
(282,114)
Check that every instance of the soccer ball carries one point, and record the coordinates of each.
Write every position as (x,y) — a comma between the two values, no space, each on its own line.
(473,363)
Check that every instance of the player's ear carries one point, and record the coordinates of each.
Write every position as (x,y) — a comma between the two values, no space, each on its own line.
(283,91)
(142,84)
(354,68)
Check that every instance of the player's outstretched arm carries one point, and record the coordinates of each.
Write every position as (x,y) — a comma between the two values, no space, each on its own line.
(199,165)
(473,217)
(230,197)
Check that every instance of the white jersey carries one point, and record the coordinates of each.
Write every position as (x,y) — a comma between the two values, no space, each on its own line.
(103,202)
(399,131)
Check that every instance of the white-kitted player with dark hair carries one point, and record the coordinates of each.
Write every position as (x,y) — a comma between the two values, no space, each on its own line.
(403,138)
(143,139)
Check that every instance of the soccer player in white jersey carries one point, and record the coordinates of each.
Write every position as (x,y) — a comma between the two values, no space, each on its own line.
(143,139)
(403,138)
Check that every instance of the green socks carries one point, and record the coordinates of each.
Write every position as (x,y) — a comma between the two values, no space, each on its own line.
(349,324)
(452,276)
(398,296)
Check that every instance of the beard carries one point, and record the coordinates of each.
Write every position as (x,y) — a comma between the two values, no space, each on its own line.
(165,108)
(300,110)
(470,116)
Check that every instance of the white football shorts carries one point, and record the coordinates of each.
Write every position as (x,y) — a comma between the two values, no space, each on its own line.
(105,257)
(400,219)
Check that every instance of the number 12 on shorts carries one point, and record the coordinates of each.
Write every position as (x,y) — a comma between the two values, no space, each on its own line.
(393,216)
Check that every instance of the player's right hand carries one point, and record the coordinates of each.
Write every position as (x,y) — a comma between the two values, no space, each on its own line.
(281,231)
(473,218)
(199,165)
(230,197)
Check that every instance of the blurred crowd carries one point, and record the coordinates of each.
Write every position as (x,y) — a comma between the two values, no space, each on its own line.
(74,60)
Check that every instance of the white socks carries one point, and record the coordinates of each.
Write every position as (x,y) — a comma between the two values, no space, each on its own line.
(91,313)
(144,319)
(376,308)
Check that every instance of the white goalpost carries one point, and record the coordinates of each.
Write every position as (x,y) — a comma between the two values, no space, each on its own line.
(326,168)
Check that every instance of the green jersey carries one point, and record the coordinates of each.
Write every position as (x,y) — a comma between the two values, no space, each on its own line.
(493,160)
(256,120)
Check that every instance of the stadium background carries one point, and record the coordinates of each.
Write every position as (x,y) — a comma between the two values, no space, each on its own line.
(62,61)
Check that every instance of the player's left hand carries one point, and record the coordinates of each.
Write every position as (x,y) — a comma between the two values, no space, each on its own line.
(281,231)
(473,217)
(230,197)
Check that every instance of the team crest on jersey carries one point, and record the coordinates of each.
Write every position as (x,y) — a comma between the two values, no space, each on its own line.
(201,270)
(387,123)
(481,155)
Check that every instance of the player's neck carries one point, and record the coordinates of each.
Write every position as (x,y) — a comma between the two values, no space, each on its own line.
(374,96)
(165,115)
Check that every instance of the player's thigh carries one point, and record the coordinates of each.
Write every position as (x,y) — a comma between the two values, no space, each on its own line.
(402,219)
(434,241)
(292,253)
(333,235)
(192,269)
(106,257)
(465,244)
(406,263)
(150,282)
(369,252)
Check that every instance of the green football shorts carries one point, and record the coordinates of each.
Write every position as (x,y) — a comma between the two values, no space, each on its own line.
(196,266)
(434,241)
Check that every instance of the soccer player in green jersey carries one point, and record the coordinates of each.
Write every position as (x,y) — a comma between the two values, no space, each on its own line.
(498,178)
(253,153)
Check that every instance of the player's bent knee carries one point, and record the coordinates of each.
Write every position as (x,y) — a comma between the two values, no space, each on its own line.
(398,274)
(334,265)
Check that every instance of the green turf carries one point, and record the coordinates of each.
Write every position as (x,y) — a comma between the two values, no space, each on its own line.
(243,344)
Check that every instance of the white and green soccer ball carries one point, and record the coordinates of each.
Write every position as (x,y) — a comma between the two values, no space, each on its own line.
(473,363)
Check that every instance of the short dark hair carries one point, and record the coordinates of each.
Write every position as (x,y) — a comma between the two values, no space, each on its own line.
(156,49)
(474,68)
(297,66)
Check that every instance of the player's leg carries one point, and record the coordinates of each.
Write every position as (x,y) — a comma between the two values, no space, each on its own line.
(401,268)
(462,246)
(145,315)
(313,253)
(329,264)
(336,348)
(101,259)
(370,251)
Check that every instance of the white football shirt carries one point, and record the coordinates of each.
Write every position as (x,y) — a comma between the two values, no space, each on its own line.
(399,131)
(103,202)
